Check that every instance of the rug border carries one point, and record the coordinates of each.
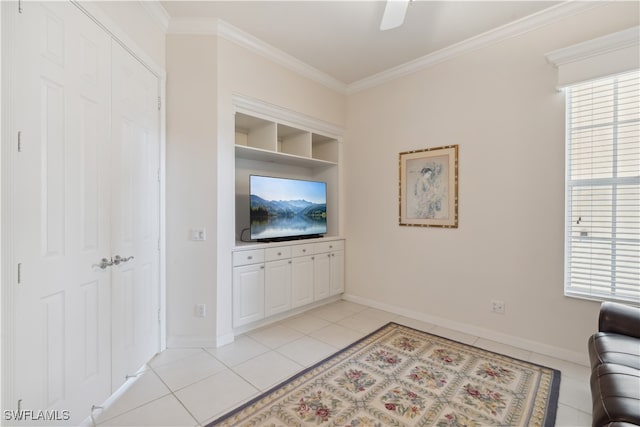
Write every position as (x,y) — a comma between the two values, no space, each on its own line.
(552,401)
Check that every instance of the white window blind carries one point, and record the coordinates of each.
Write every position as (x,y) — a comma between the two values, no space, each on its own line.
(603,189)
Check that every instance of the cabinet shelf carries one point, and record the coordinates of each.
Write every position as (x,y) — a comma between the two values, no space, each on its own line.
(272,141)
(269,156)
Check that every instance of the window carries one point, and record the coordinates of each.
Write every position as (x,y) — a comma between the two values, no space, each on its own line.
(603,189)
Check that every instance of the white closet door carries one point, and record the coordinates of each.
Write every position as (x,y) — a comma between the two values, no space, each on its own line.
(60,95)
(135,214)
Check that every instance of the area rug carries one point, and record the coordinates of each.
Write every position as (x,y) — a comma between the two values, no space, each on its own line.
(399,376)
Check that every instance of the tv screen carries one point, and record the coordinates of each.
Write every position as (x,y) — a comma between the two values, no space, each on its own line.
(283,208)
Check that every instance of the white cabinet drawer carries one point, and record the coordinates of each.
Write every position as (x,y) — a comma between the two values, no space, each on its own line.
(330,246)
(274,254)
(302,250)
(254,256)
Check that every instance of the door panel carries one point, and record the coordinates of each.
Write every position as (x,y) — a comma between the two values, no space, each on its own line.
(85,188)
(135,214)
(302,281)
(277,288)
(61,107)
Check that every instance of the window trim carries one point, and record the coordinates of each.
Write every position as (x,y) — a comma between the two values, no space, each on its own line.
(609,182)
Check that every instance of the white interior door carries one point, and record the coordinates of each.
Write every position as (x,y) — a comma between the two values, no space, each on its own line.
(61,92)
(86,189)
(135,214)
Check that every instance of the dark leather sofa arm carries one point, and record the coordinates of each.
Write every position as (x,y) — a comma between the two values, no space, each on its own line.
(619,319)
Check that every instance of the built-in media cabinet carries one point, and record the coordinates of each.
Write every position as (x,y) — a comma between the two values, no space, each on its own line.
(277,278)
(271,280)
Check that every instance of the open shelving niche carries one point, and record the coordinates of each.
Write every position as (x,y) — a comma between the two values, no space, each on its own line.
(273,141)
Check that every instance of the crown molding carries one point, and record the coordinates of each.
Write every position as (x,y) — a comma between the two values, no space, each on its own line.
(246,40)
(220,28)
(227,31)
(157,12)
(577,52)
(498,34)
(267,111)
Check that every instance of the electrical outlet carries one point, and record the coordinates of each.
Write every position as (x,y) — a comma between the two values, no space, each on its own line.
(497,306)
(201,310)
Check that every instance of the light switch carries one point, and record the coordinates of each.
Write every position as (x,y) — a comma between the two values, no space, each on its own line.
(198,234)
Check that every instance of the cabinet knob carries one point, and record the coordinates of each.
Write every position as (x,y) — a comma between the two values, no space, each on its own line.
(249,257)
(279,253)
(329,255)
(313,257)
(304,250)
(330,246)
(262,267)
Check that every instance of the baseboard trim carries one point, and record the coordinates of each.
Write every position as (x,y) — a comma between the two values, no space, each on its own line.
(225,339)
(533,346)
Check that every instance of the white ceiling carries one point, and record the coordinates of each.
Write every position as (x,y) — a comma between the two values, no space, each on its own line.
(342,38)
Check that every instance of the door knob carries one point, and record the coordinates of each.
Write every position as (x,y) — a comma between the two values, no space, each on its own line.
(104,263)
(118,259)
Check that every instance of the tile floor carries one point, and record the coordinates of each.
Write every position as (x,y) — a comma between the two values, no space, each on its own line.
(191,387)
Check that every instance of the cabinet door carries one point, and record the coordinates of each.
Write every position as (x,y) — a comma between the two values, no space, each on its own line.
(337,272)
(277,286)
(302,281)
(248,294)
(322,276)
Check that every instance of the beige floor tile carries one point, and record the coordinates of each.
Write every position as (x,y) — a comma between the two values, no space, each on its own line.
(306,351)
(575,393)
(362,323)
(267,370)
(166,411)
(171,355)
(183,372)
(136,392)
(274,336)
(208,389)
(337,335)
(306,323)
(240,350)
(571,417)
(216,395)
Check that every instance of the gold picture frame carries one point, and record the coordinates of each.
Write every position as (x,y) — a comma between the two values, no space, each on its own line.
(428,188)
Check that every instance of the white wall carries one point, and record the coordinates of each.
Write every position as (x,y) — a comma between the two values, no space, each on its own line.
(499,105)
(191,187)
(243,72)
(203,74)
(137,23)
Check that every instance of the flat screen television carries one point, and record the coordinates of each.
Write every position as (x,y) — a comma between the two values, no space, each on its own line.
(286,209)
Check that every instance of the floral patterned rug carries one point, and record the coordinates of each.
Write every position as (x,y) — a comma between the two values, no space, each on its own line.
(399,376)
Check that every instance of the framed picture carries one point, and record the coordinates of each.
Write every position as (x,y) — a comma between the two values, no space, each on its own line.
(429,187)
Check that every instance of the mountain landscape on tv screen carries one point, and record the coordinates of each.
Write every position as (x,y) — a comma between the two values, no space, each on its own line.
(278,218)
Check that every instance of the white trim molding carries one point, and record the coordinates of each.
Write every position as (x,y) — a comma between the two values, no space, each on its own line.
(495,35)
(580,358)
(264,110)
(220,28)
(620,40)
(254,44)
(157,12)
(607,55)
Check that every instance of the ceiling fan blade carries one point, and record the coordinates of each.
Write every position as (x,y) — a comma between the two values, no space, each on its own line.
(394,13)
